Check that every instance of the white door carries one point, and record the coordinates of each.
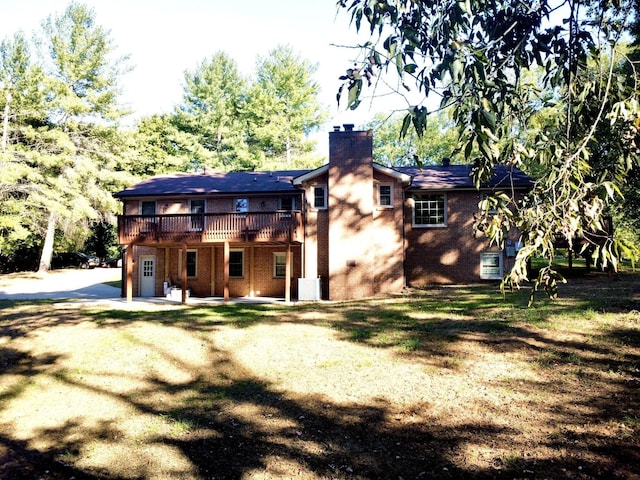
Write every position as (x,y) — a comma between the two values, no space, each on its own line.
(147,276)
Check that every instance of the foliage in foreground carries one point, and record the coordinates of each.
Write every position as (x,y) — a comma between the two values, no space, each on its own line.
(548,87)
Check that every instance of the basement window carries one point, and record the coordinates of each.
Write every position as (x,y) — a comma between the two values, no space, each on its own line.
(279,265)
(236,263)
(491,266)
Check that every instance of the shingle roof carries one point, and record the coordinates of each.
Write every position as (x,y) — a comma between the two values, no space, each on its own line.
(428,178)
(458,177)
(214,183)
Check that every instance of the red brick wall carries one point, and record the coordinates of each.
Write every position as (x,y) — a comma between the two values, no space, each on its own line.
(350,211)
(265,285)
(388,239)
(355,245)
(445,255)
(316,242)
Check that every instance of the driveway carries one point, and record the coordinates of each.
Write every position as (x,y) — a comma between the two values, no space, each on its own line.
(61,284)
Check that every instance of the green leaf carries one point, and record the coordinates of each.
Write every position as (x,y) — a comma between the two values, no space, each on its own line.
(410,68)
(406,122)
(355,88)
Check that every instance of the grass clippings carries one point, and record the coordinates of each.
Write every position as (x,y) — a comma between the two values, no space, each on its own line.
(441,383)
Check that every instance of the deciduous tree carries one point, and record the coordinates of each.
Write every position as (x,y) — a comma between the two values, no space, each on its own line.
(391,149)
(473,55)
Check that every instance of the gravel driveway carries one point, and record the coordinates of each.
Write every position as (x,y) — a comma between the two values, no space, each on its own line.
(61,284)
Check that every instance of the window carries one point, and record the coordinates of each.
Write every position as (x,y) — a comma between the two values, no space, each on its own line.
(279,265)
(430,210)
(236,263)
(320,197)
(192,263)
(148,223)
(491,266)
(147,208)
(385,197)
(287,203)
(241,205)
(197,208)
(488,203)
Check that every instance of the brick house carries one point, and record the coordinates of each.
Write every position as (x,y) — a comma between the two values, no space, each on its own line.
(349,229)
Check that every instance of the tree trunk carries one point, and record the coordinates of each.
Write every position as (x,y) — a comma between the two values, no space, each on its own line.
(47,249)
(5,122)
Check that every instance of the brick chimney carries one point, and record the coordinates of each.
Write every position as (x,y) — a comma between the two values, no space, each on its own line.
(350,210)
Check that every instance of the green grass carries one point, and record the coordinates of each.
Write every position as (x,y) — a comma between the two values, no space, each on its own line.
(191,378)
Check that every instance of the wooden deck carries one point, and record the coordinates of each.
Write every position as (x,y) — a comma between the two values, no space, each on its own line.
(267,227)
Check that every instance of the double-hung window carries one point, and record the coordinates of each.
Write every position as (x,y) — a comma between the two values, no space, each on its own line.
(279,265)
(191,263)
(430,210)
(385,195)
(320,197)
(236,263)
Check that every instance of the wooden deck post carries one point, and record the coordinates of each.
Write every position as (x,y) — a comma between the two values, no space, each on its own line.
(252,275)
(287,280)
(129,273)
(226,271)
(184,273)
(213,271)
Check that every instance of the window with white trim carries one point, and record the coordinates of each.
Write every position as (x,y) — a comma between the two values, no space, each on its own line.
(279,265)
(149,222)
(491,266)
(241,205)
(385,195)
(430,210)
(196,207)
(320,197)
(487,204)
(192,263)
(236,263)
(288,203)
(147,207)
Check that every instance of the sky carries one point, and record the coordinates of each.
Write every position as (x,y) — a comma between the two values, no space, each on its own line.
(165,38)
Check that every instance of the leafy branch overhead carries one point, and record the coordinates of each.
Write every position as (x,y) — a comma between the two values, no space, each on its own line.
(536,85)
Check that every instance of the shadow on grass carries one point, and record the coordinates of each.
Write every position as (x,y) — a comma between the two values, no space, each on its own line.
(233,424)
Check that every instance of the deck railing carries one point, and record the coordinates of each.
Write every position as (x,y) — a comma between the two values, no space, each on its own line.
(280,226)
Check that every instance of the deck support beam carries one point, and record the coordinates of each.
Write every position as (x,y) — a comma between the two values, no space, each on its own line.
(129,273)
(226,271)
(252,274)
(287,280)
(184,273)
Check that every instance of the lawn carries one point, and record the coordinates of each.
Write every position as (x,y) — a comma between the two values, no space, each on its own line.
(441,383)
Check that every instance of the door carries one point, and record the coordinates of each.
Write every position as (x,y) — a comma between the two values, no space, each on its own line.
(147,276)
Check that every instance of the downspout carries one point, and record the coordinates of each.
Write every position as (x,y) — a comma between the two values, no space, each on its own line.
(303,249)
(404,239)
